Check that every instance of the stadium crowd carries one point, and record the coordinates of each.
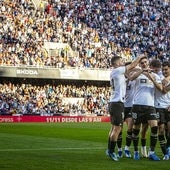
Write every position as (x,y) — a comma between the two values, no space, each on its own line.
(124,27)
(48,98)
(94,29)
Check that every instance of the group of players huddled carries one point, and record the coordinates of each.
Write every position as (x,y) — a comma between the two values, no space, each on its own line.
(141,98)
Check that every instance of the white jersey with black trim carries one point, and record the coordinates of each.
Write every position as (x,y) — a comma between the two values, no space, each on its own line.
(162,100)
(129,93)
(144,90)
(118,84)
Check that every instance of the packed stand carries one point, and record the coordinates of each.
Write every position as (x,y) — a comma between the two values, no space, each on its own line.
(29,98)
(94,29)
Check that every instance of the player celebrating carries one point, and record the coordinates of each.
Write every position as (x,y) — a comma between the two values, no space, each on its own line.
(116,103)
(143,108)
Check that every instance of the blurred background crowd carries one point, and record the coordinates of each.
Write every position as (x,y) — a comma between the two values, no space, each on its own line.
(46,97)
(94,31)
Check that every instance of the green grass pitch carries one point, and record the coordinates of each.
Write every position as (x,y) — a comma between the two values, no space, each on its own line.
(64,146)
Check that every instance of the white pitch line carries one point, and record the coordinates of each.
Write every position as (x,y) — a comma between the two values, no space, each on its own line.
(48,149)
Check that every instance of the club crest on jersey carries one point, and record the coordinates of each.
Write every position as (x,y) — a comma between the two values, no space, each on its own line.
(128,87)
(143,81)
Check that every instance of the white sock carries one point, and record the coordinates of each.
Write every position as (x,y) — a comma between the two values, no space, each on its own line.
(151,152)
(126,147)
(119,149)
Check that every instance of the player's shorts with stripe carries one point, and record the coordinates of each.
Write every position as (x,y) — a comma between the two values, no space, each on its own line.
(142,113)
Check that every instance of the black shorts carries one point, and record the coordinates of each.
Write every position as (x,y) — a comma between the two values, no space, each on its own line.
(116,110)
(142,113)
(161,115)
(127,113)
(167,116)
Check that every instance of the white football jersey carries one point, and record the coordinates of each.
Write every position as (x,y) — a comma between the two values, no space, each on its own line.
(144,90)
(118,84)
(129,93)
(162,100)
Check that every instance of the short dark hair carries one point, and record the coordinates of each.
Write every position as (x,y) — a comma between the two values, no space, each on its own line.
(114,59)
(155,63)
(143,58)
(166,63)
(128,62)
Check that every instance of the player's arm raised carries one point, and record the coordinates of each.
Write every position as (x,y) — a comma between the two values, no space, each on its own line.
(134,63)
(134,73)
(156,81)
(166,88)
